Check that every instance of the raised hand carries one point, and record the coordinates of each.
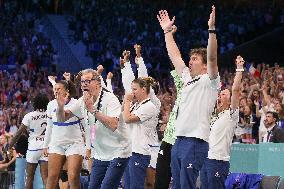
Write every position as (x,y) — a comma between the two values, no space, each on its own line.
(121,62)
(211,21)
(128,97)
(137,50)
(126,55)
(51,78)
(61,98)
(89,101)
(240,62)
(165,21)
(67,76)
(100,69)
(109,75)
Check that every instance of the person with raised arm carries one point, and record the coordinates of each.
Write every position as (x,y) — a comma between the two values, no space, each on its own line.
(216,167)
(199,94)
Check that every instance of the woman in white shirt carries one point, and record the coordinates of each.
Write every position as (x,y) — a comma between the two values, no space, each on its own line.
(64,140)
(35,122)
(141,117)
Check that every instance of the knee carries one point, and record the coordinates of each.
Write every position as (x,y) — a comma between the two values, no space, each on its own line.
(53,176)
(73,177)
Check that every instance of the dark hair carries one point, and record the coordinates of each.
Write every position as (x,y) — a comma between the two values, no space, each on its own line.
(68,86)
(274,114)
(146,82)
(201,52)
(40,102)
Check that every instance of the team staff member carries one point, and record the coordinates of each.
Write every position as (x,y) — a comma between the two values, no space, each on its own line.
(141,117)
(216,167)
(102,109)
(35,122)
(201,83)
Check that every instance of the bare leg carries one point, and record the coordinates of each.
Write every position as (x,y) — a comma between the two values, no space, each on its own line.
(55,163)
(74,164)
(43,171)
(31,167)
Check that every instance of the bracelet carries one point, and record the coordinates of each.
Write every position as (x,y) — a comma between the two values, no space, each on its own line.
(240,70)
(168,30)
(212,31)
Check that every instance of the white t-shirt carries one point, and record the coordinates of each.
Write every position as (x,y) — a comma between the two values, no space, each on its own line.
(68,132)
(198,98)
(221,135)
(36,123)
(143,132)
(107,144)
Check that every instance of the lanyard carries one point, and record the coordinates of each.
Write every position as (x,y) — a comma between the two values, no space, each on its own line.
(133,106)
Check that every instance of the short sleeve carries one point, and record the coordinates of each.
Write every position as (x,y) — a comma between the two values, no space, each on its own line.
(215,84)
(26,120)
(234,114)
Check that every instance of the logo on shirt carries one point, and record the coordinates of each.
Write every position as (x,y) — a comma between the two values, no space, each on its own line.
(217,174)
(161,152)
(136,163)
(118,165)
(189,166)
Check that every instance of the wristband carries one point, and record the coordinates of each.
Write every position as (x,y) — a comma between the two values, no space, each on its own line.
(168,30)
(212,31)
(240,70)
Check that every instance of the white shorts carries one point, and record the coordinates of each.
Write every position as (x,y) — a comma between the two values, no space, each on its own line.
(154,156)
(67,149)
(35,156)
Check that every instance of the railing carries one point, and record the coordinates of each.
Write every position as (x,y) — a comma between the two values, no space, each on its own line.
(7,179)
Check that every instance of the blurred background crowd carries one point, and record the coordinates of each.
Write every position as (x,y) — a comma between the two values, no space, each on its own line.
(27,55)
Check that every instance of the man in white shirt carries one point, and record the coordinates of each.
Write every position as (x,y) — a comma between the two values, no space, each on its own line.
(216,167)
(112,146)
(201,83)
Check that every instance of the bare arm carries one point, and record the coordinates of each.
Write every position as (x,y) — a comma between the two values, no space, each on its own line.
(172,48)
(17,135)
(266,96)
(212,67)
(237,83)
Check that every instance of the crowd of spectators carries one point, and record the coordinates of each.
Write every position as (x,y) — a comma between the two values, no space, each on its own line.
(107,35)
(130,22)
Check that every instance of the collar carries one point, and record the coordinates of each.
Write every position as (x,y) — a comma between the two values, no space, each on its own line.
(98,97)
(143,101)
(271,128)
